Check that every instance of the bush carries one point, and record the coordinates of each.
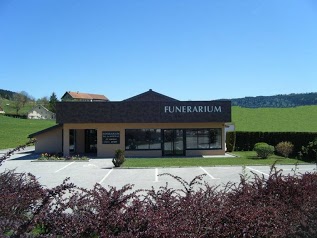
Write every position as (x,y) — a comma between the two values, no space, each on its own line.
(309,152)
(285,148)
(263,150)
(259,144)
(118,158)
(230,140)
(19,196)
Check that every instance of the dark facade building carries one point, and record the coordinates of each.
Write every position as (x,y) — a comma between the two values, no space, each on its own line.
(149,124)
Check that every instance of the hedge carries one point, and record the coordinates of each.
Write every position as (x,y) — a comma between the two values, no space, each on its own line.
(277,206)
(16,115)
(245,141)
(274,206)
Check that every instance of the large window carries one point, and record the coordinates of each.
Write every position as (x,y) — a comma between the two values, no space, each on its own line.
(143,139)
(203,139)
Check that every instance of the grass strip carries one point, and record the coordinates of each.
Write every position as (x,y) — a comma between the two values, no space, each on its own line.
(244,158)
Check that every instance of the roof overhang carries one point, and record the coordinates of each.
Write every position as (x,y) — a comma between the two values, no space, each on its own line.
(45,130)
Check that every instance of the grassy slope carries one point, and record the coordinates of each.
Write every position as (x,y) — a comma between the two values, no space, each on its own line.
(7,106)
(302,119)
(14,132)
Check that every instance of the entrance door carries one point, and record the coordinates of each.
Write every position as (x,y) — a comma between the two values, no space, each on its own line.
(90,141)
(72,141)
(173,142)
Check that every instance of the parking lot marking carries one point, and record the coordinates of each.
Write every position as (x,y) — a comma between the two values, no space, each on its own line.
(212,177)
(258,171)
(104,178)
(156,175)
(64,167)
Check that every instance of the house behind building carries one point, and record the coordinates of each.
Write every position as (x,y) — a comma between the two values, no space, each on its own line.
(41,112)
(85,97)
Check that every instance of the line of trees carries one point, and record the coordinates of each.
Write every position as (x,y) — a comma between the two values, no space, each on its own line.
(289,100)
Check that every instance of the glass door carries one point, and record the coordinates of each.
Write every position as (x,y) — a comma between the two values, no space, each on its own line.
(72,141)
(90,141)
(173,142)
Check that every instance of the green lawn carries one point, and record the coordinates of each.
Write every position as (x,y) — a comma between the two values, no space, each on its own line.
(301,119)
(244,158)
(14,131)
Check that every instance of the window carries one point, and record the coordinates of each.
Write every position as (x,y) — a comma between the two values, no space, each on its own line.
(143,139)
(203,139)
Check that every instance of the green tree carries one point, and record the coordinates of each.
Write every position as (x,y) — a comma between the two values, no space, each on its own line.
(18,102)
(52,102)
(43,101)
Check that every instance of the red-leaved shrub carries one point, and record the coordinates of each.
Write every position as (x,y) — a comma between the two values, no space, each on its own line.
(277,206)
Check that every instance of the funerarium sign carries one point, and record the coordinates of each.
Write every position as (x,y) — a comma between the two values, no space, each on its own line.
(192,109)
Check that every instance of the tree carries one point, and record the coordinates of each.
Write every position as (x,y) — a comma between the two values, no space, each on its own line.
(52,102)
(24,97)
(27,96)
(43,101)
(18,102)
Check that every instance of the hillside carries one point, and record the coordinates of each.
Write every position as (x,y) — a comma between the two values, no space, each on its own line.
(15,131)
(6,94)
(277,101)
(8,102)
(8,107)
(301,119)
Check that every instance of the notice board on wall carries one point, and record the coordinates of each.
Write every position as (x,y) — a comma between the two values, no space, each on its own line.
(111,137)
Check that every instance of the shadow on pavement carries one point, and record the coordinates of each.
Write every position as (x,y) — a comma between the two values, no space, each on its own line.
(26,156)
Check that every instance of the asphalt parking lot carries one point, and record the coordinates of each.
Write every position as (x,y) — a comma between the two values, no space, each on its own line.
(87,174)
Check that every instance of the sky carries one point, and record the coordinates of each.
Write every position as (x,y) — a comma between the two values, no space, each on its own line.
(186,49)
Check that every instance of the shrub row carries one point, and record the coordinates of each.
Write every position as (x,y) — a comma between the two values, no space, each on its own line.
(16,115)
(245,141)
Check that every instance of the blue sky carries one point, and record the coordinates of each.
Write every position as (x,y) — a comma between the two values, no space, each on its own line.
(186,49)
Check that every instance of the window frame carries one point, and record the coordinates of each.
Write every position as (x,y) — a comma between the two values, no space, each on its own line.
(197,136)
(149,144)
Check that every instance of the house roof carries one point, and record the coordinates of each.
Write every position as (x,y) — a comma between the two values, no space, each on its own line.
(151,96)
(45,130)
(86,96)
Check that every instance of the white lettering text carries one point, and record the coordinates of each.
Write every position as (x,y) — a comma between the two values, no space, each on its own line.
(192,109)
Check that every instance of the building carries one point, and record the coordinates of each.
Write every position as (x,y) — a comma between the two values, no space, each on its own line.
(149,125)
(41,112)
(84,97)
